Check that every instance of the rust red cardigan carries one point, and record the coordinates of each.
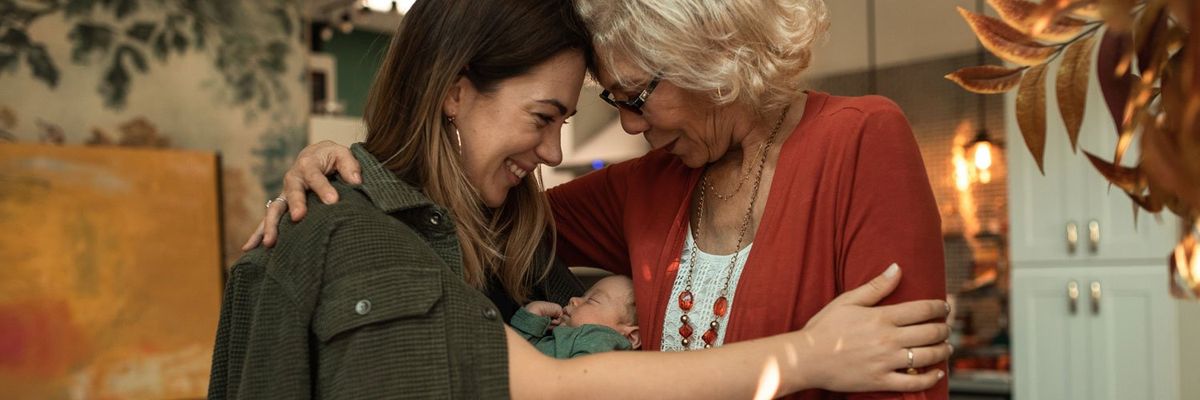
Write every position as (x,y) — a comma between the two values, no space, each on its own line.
(849,197)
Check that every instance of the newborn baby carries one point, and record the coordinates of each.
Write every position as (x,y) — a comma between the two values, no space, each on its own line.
(604,319)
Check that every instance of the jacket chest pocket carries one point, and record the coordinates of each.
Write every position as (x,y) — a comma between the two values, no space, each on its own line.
(375,297)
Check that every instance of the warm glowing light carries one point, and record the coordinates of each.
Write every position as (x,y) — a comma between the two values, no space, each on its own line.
(983,155)
(401,6)
(962,175)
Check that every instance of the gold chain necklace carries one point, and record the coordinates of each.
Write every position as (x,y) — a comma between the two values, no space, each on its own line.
(744,174)
(721,305)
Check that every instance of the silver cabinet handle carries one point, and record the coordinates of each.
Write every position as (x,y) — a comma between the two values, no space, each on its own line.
(1072,236)
(1094,236)
(1072,296)
(1096,294)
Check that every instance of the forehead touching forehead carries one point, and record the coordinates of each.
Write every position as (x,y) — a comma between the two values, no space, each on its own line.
(621,74)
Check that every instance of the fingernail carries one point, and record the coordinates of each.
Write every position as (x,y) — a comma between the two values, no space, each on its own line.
(357,177)
(891,271)
(951,348)
(947,304)
(941,374)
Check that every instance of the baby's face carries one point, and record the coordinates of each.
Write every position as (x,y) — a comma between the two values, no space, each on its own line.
(606,303)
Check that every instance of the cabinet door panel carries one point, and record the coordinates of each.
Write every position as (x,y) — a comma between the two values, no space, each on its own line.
(1133,335)
(1041,206)
(1049,340)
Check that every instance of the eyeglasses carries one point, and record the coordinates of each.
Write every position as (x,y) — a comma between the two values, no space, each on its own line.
(634,105)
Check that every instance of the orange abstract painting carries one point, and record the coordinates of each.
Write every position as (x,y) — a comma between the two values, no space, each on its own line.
(110,272)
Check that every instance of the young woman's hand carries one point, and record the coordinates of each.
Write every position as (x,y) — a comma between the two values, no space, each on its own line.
(307,173)
(863,347)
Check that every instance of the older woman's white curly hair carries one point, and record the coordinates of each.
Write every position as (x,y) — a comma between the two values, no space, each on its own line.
(751,52)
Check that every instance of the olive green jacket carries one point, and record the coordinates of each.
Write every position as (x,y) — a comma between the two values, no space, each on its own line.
(363,299)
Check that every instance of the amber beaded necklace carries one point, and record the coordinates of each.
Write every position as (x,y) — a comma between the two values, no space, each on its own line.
(721,305)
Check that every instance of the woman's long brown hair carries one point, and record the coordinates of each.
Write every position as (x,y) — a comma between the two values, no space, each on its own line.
(487,41)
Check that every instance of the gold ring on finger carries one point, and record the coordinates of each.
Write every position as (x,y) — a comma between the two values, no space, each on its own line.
(911,370)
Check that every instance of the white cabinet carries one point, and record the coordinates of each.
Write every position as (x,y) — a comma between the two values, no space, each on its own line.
(1091,313)
(1114,337)
(1073,196)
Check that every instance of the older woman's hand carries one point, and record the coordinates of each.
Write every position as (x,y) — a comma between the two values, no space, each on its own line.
(864,347)
(307,173)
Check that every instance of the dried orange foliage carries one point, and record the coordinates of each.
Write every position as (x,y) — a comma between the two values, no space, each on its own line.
(987,79)
(1031,112)
(1005,41)
(1072,84)
(1020,14)
(1148,66)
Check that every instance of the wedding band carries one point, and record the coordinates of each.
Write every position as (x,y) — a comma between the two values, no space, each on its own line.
(911,370)
(279,199)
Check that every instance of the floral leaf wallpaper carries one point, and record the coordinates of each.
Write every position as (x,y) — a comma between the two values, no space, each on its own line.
(217,75)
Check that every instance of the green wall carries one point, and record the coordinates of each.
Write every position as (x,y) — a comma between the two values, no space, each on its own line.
(358,55)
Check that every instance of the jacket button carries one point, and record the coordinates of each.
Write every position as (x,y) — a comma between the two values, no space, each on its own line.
(489,313)
(436,218)
(363,307)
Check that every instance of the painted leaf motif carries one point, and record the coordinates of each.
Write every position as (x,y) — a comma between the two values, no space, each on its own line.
(42,66)
(987,79)
(133,55)
(1072,85)
(141,31)
(1021,14)
(1005,41)
(76,8)
(115,86)
(89,39)
(122,8)
(1031,112)
(8,61)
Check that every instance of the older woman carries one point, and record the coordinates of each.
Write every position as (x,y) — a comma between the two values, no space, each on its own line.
(760,203)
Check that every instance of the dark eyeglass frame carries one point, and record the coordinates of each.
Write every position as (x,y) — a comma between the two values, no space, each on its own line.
(634,105)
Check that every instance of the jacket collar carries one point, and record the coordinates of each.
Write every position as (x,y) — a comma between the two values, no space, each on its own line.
(386,190)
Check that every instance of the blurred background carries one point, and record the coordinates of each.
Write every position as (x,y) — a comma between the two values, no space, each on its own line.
(139,140)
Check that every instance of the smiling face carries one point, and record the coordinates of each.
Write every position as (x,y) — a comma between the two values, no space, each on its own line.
(688,125)
(507,132)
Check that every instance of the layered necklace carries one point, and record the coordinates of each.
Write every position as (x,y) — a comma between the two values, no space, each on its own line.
(721,305)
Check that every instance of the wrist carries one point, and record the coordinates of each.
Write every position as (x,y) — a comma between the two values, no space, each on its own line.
(799,368)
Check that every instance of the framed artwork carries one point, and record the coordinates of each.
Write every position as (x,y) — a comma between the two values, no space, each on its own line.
(111,274)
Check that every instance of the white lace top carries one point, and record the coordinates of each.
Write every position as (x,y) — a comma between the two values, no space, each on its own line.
(707,282)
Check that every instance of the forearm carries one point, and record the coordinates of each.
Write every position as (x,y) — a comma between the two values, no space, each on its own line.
(770,366)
